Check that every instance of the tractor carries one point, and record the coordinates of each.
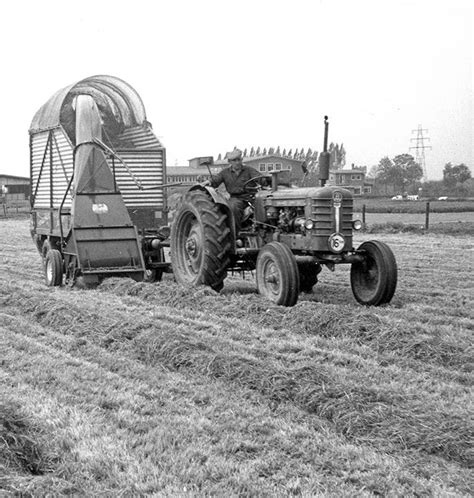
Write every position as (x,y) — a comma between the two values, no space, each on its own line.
(287,237)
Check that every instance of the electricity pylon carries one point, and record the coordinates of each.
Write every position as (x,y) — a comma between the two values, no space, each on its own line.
(420,149)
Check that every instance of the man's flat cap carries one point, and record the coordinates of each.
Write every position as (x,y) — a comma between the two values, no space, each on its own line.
(235,154)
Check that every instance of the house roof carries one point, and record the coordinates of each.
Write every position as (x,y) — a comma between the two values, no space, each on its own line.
(185,170)
(13,177)
(349,171)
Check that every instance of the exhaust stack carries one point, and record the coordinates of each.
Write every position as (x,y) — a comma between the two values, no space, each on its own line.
(324,157)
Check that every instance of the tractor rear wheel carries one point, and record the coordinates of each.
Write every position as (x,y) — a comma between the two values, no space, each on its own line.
(277,274)
(201,241)
(53,268)
(374,280)
(308,275)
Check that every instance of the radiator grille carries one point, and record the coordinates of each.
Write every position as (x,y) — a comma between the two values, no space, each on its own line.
(324,214)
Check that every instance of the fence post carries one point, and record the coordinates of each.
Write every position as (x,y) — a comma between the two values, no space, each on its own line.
(427,216)
(363,215)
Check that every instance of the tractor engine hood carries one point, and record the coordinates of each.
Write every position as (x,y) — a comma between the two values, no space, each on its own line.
(298,196)
(302,198)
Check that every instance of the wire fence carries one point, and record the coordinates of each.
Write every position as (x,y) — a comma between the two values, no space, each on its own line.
(425,218)
(13,208)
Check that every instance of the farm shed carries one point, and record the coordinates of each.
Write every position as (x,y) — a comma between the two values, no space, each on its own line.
(14,188)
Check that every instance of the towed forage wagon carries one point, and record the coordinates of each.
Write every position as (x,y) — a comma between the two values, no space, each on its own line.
(97,180)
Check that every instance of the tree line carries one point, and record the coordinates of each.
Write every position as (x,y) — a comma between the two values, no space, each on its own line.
(403,175)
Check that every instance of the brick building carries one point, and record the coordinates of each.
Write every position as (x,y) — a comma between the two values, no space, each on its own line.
(353,179)
(292,168)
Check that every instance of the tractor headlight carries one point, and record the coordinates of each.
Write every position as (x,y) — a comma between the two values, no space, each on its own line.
(299,223)
(356,224)
(309,224)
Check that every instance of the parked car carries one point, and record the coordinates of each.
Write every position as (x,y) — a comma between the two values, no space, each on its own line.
(443,198)
(397,198)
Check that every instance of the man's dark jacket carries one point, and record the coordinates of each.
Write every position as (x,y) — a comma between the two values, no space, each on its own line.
(234,183)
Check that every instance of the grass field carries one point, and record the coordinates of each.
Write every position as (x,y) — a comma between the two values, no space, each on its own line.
(138,389)
(386,205)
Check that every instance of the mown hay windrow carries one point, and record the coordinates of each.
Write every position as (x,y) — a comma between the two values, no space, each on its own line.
(358,408)
(357,323)
(22,442)
(356,402)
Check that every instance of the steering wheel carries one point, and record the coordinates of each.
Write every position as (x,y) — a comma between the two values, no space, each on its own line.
(253,189)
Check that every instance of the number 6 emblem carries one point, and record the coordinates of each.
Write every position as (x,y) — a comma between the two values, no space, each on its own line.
(336,242)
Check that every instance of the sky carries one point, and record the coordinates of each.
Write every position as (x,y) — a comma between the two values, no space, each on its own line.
(214,74)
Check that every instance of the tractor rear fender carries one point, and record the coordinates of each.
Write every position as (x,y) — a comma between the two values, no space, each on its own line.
(218,198)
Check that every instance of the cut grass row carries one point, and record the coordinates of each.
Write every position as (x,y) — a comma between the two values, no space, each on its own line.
(109,422)
(363,399)
(391,334)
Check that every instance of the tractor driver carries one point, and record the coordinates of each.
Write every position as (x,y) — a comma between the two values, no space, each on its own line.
(234,178)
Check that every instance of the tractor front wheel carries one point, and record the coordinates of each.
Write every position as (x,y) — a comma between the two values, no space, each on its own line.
(201,241)
(277,274)
(374,280)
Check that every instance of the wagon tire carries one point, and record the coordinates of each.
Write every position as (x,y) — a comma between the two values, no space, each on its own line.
(277,274)
(201,241)
(53,268)
(374,280)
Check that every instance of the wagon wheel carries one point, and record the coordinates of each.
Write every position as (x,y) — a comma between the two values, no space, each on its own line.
(374,280)
(200,241)
(277,274)
(53,268)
